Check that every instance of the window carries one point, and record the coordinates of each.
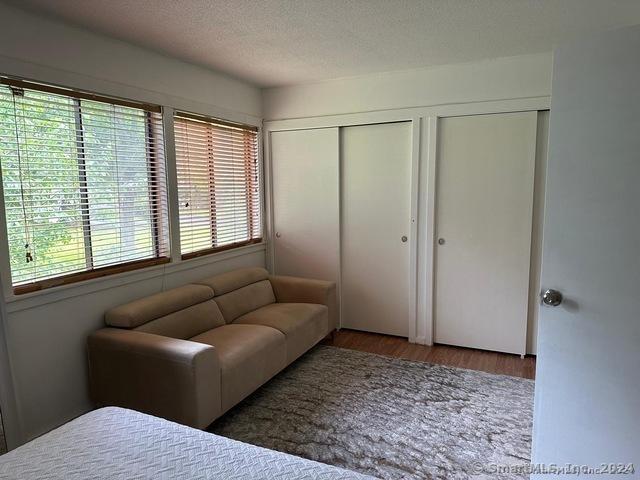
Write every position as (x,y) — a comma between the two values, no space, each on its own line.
(218,185)
(84,184)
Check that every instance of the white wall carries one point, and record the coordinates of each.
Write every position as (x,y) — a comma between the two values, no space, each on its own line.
(500,79)
(82,59)
(46,331)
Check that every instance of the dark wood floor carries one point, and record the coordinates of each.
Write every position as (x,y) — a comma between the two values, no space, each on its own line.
(492,362)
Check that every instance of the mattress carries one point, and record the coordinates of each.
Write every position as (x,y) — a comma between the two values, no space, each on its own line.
(115,443)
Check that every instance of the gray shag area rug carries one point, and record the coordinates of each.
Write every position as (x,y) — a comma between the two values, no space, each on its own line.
(389,418)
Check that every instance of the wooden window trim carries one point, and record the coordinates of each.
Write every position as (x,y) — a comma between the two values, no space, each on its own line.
(217,121)
(69,92)
(87,275)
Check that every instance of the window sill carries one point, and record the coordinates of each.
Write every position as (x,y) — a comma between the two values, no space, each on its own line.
(211,251)
(42,297)
(79,277)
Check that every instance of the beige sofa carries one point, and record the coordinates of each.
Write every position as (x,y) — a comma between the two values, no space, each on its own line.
(191,353)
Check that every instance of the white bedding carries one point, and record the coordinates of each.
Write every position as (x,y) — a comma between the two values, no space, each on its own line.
(115,443)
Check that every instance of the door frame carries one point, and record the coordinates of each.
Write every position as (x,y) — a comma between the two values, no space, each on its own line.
(423,186)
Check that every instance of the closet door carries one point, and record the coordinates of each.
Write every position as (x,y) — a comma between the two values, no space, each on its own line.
(304,168)
(376,221)
(484,203)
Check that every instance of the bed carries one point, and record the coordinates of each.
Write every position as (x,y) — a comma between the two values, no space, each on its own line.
(115,443)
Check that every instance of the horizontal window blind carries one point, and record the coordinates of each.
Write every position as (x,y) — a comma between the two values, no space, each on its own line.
(84,185)
(218,185)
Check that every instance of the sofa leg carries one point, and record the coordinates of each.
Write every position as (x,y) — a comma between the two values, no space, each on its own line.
(331,336)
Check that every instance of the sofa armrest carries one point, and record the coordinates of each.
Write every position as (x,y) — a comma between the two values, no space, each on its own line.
(170,378)
(304,290)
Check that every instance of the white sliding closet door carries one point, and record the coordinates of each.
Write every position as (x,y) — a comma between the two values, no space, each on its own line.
(484,203)
(376,222)
(306,218)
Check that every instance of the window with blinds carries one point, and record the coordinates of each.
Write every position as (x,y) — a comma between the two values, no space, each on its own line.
(218,185)
(84,184)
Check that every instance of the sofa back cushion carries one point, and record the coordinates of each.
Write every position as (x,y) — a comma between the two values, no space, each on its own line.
(182,312)
(241,291)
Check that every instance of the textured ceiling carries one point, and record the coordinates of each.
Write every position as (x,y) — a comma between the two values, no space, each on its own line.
(278,42)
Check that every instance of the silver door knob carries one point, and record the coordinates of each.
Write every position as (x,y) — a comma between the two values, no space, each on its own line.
(403,239)
(441,241)
(278,235)
(552,298)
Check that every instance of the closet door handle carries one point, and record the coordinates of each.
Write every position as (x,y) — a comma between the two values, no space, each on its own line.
(404,239)
(551,298)
(278,235)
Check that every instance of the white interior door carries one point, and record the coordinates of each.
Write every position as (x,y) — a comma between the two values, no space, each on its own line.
(484,204)
(306,218)
(376,215)
(587,405)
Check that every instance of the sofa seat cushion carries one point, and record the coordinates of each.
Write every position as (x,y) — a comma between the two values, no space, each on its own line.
(303,324)
(249,356)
